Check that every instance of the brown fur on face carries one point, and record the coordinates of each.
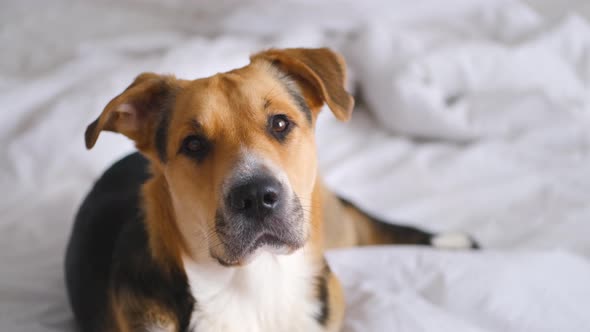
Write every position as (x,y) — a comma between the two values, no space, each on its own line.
(230,112)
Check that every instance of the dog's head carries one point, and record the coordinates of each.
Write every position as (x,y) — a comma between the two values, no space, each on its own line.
(236,149)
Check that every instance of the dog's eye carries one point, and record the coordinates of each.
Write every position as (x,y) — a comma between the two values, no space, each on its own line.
(279,126)
(280,123)
(195,146)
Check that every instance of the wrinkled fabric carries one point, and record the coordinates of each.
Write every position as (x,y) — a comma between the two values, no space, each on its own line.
(471,117)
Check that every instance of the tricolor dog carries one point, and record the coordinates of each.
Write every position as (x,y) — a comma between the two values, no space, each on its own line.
(220,222)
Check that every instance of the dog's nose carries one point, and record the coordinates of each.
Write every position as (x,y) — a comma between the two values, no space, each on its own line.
(258,197)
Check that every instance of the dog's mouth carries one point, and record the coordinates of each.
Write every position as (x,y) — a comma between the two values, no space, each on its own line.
(263,241)
(242,237)
(274,244)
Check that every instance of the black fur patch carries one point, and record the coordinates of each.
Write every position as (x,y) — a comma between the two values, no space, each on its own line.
(109,249)
(135,273)
(289,82)
(161,103)
(300,102)
(397,234)
(323,296)
(161,139)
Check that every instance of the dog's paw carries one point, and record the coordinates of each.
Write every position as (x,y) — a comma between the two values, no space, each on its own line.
(453,241)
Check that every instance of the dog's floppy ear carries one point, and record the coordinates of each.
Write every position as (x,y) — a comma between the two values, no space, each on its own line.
(321,70)
(136,111)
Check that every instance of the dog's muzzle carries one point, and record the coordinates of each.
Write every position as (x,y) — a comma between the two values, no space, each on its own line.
(259,212)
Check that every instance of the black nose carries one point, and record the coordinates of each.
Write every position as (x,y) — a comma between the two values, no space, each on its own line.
(258,197)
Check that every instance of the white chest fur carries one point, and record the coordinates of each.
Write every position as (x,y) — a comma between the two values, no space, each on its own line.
(272,293)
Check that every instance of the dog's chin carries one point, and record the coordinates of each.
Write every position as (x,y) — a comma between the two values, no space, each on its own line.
(264,242)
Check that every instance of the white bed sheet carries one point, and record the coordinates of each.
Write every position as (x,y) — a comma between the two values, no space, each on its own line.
(478,122)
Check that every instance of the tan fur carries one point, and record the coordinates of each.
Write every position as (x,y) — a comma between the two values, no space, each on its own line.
(341,230)
(133,313)
(336,300)
(165,239)
(347,226)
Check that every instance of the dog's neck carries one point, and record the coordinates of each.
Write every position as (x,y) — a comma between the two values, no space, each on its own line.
(270,293)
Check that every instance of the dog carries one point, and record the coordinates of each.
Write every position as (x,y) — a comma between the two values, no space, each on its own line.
(220,222)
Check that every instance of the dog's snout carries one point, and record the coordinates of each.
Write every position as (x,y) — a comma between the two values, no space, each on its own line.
(258,197)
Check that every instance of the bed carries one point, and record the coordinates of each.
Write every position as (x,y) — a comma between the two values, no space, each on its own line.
(472,116)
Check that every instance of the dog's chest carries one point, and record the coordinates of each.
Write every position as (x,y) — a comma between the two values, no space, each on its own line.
(272,293)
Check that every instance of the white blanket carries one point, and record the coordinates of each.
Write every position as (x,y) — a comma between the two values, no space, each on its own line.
(473,117)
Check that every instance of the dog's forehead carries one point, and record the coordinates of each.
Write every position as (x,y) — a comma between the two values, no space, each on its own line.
(239,90)
(224,98)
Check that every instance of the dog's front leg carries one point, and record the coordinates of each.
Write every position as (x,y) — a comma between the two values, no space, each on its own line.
(139,314)
(330,296)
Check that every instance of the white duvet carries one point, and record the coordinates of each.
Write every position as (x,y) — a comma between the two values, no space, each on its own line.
(474,116)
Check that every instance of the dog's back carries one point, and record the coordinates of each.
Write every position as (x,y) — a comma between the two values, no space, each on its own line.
(111,205)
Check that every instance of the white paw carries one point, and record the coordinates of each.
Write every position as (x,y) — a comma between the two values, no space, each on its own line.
(453,240)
